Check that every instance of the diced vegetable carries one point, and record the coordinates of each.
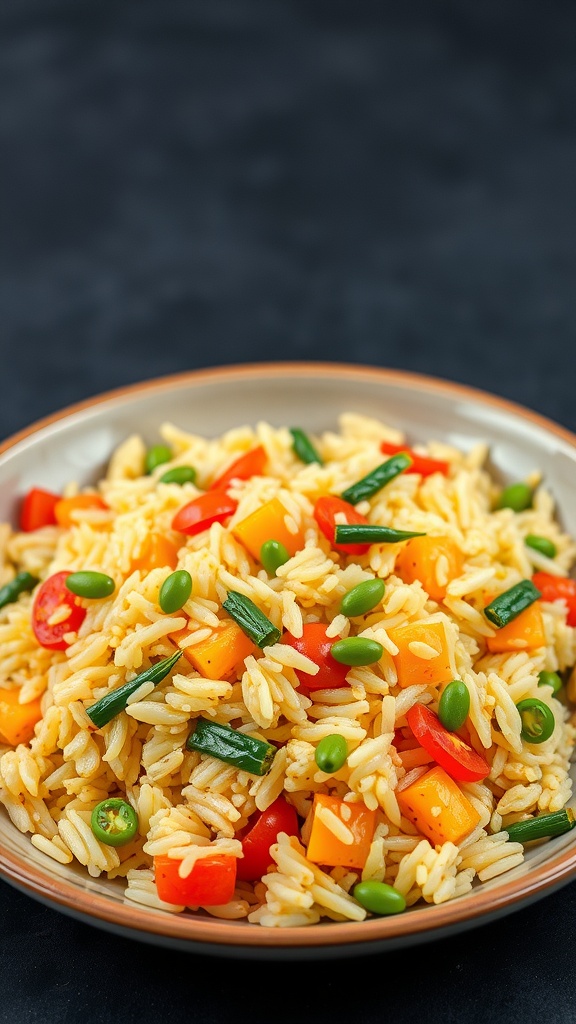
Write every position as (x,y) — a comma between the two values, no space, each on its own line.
(331,753)
(87,583)
(201,512)
(455,756)
(545,546)
(377,478)
(543,826)
(55,612)
(220,654)
(303,447)
(357,650)
(156,553)
(434,561)
(437,807)
(114,822)
(247,752)
(273,554)
(156,456)
(341,832)
(454,705)
(261,832)
(518,497)
(538,720)
(326,510)
(422,464)
(411,667)
(362,598)
(525,632)
(550,679)
(37,509)
(211,882)
(558,588)
(175,591)
(379,897)
(179,475)
(248,616)
(17,720)
(266,523)
(22,583)
(508,605)
(65,508)
(314,644)
(111,704)
(371,533)
(252,463)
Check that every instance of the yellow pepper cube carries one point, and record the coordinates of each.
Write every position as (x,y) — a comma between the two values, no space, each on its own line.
(341,832)
(434,561)
(437,807)
(416,661)
(524,633)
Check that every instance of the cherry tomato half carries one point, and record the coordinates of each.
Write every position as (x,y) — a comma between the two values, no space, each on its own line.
(314,644)
(211,882)
(37,509)
(325,511)
(201,512)
(422,464)
(455,756)
(53,594)
(262,830)
(558,588)
(252,463)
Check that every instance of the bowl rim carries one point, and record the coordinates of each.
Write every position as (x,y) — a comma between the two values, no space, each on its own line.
(215,933)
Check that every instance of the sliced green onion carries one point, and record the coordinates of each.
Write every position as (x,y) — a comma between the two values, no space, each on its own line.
(508,605)
(86,583)
(538,720)
(155,456)
(179,475)
(232,746)
(541,544)
(370,533)
(21,583)
(377,479)
(550,679)
(518,497)
(251,620)
(111,704)
(303,447)
(543,826)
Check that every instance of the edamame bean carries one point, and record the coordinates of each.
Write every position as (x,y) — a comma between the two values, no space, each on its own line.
(175,591)
(516,496)
(362,598)
(537,720)
(454,705)
(273,554)
(378,897)
(357,650)
(179,475)
(550,679)
(155,456)
(541,544)
(331,753)
(86,583)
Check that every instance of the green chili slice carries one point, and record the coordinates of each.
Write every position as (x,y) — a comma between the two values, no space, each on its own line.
(303,447)
(114,822)
(370,533)
(111,704)
(543,826)
(537,720)
(377,479)
(508,605)
(226,744)
(251,620)
(21,583)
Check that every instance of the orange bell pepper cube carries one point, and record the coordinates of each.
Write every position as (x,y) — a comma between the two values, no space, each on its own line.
(326,847)
(64,508)
(437,807)
(410,667)
(418,560)
(17,720)
(267,523)
(524,633)
(220,654)
(156,553)
(210,883)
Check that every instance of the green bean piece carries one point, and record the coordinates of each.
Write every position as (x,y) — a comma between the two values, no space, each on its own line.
(454,705)
(90,584)
(370,533)
(22,582)
(538,720)
(542,544)
(508,605)
(111,704)
(175,591)
(155,456)
(379,897)
(550,679)
(377,479)
(114,822)
(251,620)
(303,447)
(362,598)
(249,753)
(543,826)
(273,554)
(331,753)
(357,650)
(179,475)
(516,496)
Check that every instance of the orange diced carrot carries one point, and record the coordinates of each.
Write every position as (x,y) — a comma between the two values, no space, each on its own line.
(267,523)
(221,653)
(64,508)
(437,807)
(524,633)
(325,847)
(418,560)
(17,720)
(156,553)
(414,669)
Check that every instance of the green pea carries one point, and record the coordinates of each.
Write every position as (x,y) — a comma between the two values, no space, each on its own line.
(516,496)
(179,475)
(357,650)
(331,753)
(550,679)
(541,544)
(175,591)
(273,554)
(155,456)
(537,720)
(454,705)
(362,598)
(90,584)
(378,897)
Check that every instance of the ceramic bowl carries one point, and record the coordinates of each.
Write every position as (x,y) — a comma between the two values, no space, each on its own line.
(76,443)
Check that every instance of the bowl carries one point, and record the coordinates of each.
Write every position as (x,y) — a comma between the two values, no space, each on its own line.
(76,443)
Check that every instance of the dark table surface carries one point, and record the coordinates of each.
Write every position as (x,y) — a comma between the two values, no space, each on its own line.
(200,183)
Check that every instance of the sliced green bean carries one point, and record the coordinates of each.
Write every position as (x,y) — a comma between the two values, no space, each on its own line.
(373,482)
(249,753)
(543,826)
(370,533)
(111,704)
(361,598)
(303,447)
(251,620)
(507,606)
(22,582)
(87,583)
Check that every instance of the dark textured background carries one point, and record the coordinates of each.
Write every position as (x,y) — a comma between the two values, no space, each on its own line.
(186,184)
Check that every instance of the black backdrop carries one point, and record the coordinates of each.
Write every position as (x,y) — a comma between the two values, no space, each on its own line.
(198,183)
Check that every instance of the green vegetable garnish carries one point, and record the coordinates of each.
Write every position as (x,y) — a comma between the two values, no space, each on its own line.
(251,620)
(377,479)
(111,704)
(232,746)
(504,608)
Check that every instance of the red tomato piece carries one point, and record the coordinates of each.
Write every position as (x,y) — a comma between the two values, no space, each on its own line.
(325,511)
(314,644)
(557,588)
(53,594)
(211,882)
(455,756)
(262,830)
(252,463)
(201,512)
(422,464)
(37,509)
